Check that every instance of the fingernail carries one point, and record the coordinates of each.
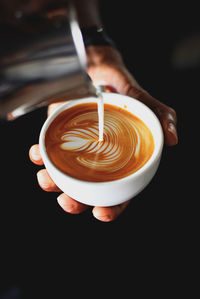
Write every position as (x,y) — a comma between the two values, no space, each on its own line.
(172,129)
(62,202)
(104,218)
(100,217)
(42,181)
(35,154)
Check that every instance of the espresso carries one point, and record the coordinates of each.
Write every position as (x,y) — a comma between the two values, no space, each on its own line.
(72,143)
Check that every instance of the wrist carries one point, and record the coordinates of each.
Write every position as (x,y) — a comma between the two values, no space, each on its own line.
(96,36)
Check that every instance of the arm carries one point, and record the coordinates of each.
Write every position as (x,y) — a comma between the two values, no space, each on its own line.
(106,66)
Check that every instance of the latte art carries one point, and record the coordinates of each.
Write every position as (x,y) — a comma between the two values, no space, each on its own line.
(72,143)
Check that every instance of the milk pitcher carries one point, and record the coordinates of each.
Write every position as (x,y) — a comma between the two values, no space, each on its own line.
(42,60)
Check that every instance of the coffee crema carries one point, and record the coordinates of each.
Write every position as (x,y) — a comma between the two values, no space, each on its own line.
(72,143)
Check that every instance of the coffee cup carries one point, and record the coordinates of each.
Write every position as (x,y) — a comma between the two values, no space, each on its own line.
(103,173)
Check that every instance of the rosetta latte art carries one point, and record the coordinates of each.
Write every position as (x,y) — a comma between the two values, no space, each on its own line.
(73,145)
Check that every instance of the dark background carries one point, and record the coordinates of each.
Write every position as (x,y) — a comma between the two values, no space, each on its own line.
(47,251)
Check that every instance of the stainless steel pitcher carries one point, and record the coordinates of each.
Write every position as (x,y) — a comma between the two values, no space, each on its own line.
(42,60)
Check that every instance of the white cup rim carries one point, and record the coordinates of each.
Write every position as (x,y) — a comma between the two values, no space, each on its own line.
(156,153)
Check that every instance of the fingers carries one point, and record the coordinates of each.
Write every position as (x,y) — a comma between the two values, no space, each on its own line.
(34,155)
(168,120)
(166,114)
(67,203)
(107,214)
(70,205)
(46,182)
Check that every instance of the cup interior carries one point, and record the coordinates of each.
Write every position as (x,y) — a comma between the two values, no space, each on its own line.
(114,192)
(132,105)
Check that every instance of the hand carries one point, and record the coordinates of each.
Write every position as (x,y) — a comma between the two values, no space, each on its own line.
(105,67)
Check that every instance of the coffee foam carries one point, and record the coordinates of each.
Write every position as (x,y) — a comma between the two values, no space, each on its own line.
(72,143)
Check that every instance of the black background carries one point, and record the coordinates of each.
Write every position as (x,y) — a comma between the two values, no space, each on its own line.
(47,251)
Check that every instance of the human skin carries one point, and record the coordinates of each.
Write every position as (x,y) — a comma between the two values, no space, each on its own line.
(106,67)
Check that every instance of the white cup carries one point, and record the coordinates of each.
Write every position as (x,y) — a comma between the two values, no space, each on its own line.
(112,192)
